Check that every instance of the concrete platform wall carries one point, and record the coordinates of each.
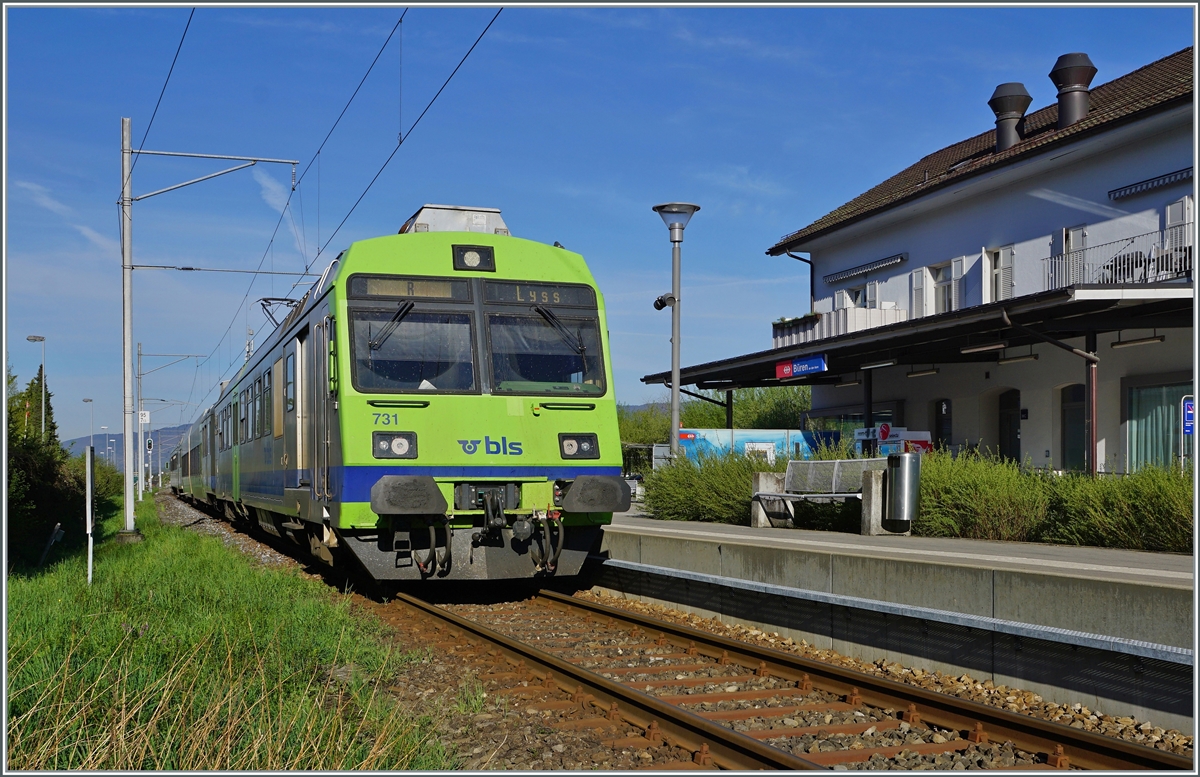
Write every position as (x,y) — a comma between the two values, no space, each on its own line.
(1114,683)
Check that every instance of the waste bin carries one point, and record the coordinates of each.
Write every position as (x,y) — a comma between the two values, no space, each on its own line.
(902,491)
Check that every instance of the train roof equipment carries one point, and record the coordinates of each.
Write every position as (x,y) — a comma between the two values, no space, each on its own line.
(455,218)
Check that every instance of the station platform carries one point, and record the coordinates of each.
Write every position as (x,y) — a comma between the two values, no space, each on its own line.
(1112,627)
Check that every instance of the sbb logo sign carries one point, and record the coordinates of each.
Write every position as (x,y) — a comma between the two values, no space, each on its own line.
(501,447)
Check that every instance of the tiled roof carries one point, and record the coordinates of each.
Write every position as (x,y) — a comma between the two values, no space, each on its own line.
(1153,87)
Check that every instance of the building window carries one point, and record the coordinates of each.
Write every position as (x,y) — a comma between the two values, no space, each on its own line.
(1000,273)
(850,298)
(943,289)
(1071,427)
(1155,424)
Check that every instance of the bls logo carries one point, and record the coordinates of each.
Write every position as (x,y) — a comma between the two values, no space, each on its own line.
(501,447)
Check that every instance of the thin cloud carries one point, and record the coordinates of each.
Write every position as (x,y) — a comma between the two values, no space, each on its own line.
(106,244)
(738,178)
(275,195)
(746,47)
(273,192)
(41,196)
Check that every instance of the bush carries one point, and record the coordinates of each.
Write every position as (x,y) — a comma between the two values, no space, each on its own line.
(971,495)
(977,496)
(710,488)
(1150,509)
(45,484)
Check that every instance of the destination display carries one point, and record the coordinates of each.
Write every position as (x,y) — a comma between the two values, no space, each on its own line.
(540,294)
(416,288)
(806,365)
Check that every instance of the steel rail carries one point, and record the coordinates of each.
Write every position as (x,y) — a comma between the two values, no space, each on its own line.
(1083,748)
(728,749)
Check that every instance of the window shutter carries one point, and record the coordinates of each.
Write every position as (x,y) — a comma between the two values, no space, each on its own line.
(956,274)
(872,294)
(985,265)
(1006,273)
(918,292)
(841,300)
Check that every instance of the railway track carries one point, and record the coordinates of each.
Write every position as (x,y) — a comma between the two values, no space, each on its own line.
(711,702)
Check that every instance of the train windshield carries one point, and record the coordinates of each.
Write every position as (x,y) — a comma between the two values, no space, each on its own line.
(543,353)
(401,350)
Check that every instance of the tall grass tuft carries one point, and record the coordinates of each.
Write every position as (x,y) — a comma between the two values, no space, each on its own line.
(182,655)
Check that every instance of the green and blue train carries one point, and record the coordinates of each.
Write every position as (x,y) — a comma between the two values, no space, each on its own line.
(439,405)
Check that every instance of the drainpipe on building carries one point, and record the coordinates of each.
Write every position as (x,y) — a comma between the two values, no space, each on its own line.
(812,295)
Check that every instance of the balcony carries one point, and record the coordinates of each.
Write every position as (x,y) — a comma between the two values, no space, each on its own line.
(1154,257)
(819,326)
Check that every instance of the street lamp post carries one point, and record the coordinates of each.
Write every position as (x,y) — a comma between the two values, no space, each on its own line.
(42,340)
(91,424)
(676,216)
(107,437)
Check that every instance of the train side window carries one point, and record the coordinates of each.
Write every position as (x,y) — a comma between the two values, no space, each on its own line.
(290,385)
(277,405)
(266,404)
(256,410)
(242,417)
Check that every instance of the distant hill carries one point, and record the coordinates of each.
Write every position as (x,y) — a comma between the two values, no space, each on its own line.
(164,441)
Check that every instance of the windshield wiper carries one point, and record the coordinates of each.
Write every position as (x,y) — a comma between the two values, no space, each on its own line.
(575,341)
(405,308)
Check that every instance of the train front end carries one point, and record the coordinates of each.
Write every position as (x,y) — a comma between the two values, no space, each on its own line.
(476,414)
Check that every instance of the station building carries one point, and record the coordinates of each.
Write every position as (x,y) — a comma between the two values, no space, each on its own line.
(1028,290)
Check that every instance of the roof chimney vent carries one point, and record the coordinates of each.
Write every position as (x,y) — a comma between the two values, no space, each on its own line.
(1009,102)
(1072,74)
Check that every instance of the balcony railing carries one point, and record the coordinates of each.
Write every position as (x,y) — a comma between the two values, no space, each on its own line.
(1154,257)
(838,322)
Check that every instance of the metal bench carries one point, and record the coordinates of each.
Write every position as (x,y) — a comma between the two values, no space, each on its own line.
(837,479)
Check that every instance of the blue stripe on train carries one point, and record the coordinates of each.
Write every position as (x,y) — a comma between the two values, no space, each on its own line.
(353,484)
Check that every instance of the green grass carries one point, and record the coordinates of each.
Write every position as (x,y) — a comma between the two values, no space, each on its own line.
(182,655)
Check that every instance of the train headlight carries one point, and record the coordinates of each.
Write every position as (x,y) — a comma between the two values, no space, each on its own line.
(578,446)
(476,258)
(394,445)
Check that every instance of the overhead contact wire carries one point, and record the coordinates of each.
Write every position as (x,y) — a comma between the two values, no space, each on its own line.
(405,136)
(163,91)
(287,203)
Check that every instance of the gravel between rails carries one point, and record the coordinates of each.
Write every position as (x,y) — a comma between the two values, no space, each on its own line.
(963,686)
(490,732)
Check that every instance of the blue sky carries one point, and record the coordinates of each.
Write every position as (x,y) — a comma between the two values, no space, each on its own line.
(573,121)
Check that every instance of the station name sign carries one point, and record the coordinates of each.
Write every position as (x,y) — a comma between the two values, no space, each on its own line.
(805,365)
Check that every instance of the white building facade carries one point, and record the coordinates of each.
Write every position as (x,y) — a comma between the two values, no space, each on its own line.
(1081,227)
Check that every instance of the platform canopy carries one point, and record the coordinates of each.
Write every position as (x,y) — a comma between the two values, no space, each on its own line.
(1060,314)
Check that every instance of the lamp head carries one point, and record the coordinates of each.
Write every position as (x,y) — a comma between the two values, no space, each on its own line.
(664,301)
(676,213)
(87,400)
(35,338)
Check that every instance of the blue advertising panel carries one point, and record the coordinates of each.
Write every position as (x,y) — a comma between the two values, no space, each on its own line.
(1189,416)
(791,443)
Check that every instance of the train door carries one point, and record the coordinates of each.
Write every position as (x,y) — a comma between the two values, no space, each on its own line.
(322,400)
(235,422)
(213,451)
(295,461)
